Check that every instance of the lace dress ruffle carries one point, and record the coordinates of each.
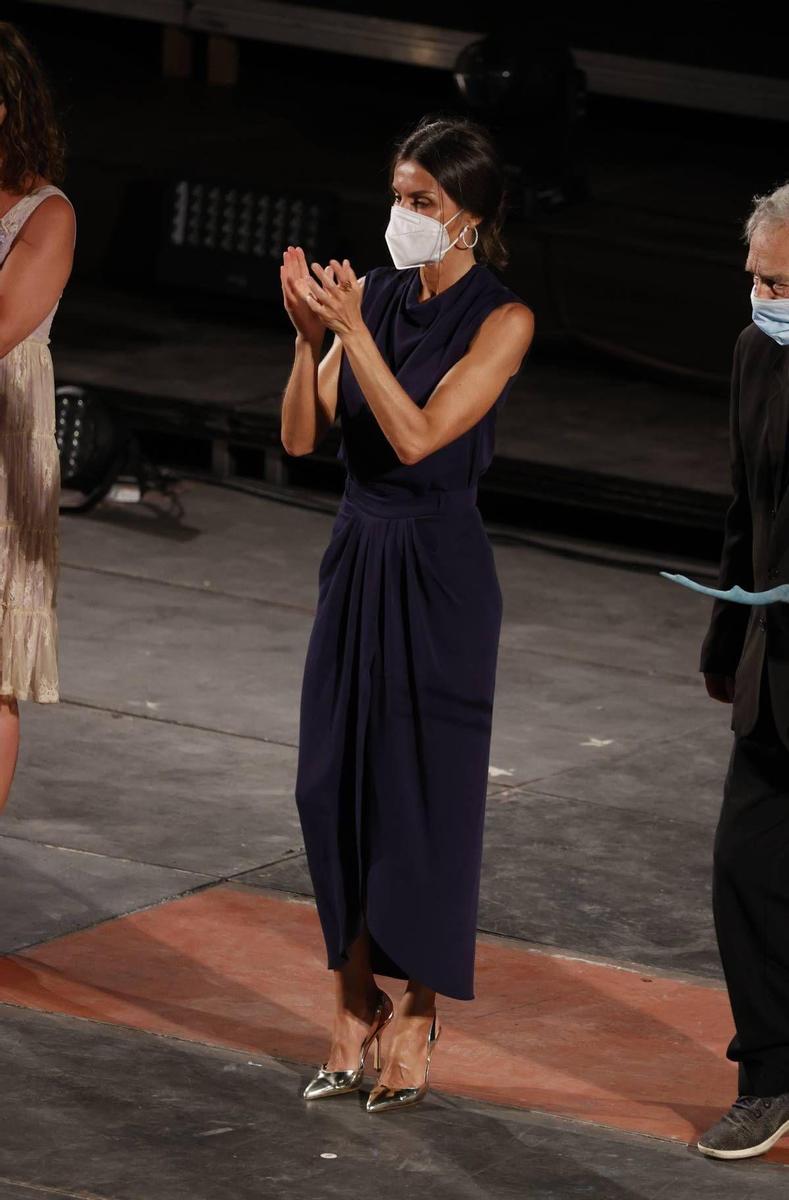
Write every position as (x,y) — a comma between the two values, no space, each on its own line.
(29,498)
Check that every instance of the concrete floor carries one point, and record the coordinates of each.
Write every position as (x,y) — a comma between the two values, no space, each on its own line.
(602,729)
(168,769)
(121,1114)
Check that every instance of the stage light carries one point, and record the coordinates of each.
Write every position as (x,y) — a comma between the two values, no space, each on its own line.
(92,442)
(226,237)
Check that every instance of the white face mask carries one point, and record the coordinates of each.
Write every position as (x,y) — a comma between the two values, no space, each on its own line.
(414,238)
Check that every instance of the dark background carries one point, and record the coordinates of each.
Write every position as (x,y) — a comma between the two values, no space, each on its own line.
(668,186)
(642,274)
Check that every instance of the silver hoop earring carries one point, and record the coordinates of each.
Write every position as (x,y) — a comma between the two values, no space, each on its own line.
(464,243)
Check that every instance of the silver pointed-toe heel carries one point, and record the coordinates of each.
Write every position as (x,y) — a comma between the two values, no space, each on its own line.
(383,1099)
(337,1083)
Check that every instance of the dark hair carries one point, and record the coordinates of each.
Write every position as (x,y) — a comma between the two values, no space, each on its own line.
(31,141)
(460,155)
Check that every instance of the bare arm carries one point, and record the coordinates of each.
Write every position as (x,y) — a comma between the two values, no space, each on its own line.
(36,270)
(459,400)
(309,402)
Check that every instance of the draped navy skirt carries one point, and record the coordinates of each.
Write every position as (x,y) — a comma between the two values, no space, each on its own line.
(395,726)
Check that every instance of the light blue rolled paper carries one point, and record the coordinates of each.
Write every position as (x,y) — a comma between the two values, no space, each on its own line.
(736,594)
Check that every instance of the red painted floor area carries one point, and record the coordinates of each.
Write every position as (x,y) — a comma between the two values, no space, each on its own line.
(237,967)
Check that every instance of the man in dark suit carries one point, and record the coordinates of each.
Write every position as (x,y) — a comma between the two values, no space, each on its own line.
(745,660)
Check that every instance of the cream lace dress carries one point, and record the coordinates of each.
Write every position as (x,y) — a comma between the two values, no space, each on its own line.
(29,498)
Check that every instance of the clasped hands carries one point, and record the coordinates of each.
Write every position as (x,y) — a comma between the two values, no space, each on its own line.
(336,300)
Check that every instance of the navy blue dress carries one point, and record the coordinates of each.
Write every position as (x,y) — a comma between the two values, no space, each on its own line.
(397,693)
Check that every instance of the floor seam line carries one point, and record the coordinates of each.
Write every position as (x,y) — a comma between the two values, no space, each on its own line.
(30,947)
(265,866)
(72,702)
(119,858)
(45,1190)
(187,587)
(653,743)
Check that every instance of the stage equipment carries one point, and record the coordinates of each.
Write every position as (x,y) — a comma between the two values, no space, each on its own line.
(227,237)
(527,88)
(93,442)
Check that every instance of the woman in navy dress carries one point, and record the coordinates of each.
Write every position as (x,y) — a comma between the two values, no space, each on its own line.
(398,685)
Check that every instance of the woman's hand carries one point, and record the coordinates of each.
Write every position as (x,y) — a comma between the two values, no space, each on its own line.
(338,302)
(293,274)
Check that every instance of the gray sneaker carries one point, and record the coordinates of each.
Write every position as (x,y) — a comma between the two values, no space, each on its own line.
(751,1126)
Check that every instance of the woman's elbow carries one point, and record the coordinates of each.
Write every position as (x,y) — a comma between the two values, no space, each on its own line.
(410,454)
(295,450)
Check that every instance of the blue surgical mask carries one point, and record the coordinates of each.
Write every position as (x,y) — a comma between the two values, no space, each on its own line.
(772,317)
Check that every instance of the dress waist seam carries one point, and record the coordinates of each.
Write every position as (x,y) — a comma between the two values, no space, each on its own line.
(431,503)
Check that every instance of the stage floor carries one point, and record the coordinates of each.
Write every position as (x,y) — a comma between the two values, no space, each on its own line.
(163,988)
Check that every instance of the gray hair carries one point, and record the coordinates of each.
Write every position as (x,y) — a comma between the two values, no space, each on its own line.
(772,209)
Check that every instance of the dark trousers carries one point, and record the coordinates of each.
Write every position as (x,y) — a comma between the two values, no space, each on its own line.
(751,903)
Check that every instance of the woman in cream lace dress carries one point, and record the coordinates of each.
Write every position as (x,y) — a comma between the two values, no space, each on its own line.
(37,230)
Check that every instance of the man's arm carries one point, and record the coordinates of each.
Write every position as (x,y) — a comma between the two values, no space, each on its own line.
(722,646)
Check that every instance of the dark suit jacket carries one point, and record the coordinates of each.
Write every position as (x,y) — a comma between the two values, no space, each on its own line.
(756,541)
